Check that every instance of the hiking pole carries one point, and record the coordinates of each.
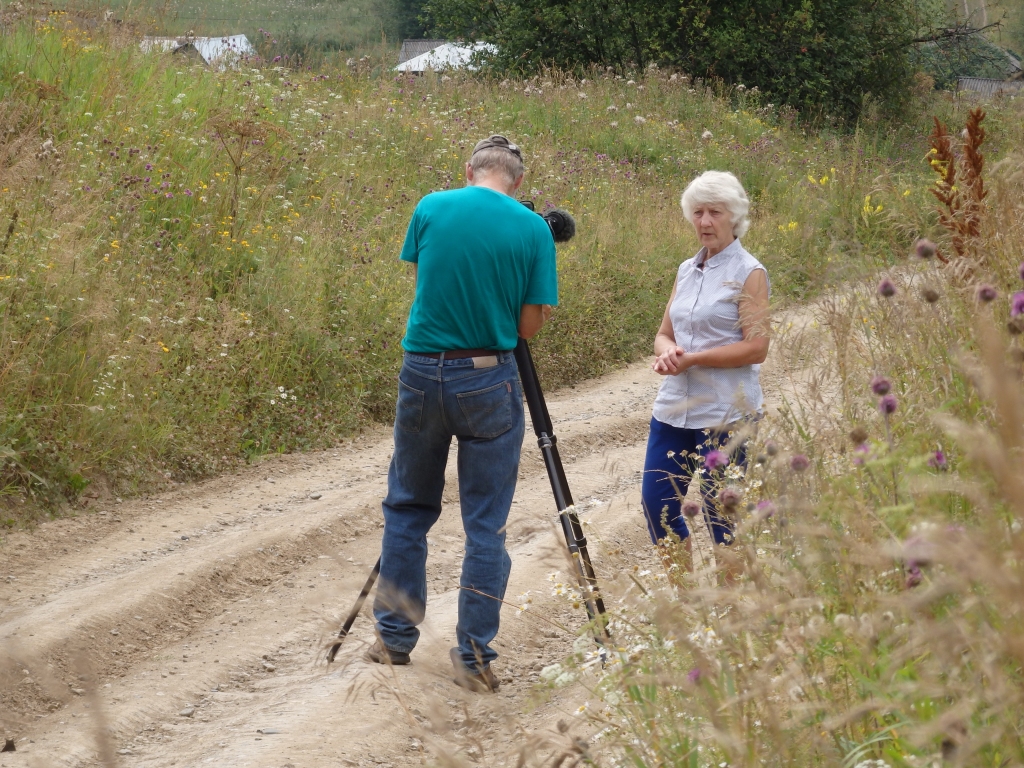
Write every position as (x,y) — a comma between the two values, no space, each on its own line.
(343,633)
(571,528)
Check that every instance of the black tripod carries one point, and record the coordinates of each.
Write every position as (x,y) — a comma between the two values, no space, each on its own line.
(571,528)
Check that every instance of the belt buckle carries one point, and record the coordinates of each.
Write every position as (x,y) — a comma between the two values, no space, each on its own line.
(487,361)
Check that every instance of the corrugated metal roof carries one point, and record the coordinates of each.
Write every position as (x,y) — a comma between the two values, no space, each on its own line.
(446,56)
(413,48)
(988,86)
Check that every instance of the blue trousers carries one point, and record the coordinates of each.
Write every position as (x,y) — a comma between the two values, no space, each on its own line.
(483,409)
(672,463)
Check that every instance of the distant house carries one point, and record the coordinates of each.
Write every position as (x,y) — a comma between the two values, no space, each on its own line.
(218,52)
(444,56)
(984,86)
(413,48)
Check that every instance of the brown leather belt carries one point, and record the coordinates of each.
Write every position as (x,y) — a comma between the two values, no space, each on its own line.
(462,354)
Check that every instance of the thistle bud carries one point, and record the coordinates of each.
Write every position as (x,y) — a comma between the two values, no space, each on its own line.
(986,293)
(880,385)
(799,463)
(691,508)
(929,294)
(887,288)
(858,435)
(887,404)
(924,249)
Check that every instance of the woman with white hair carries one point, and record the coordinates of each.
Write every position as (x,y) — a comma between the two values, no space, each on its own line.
(712,339)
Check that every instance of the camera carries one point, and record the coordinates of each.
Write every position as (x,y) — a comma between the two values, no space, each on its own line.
(561,223)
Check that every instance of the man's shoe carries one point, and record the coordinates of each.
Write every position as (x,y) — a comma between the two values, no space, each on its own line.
(379,654)
(478,682)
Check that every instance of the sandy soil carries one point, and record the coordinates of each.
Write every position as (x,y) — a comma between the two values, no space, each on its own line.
(189,628)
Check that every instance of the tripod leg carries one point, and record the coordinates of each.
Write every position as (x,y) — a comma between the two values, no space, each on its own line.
(350,620)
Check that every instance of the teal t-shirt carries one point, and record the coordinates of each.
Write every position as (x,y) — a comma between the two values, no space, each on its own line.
(480,256)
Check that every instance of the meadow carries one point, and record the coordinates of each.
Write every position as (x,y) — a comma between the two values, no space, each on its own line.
(197,268)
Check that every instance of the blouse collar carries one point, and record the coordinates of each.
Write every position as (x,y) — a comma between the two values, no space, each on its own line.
(720,257)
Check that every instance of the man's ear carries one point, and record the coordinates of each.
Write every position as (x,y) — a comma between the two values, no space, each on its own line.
(518,182)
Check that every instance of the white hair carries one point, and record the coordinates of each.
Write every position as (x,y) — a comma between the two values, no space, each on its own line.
(723,188)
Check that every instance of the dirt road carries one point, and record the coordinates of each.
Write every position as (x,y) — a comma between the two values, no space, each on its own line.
(203,612)
(191,625)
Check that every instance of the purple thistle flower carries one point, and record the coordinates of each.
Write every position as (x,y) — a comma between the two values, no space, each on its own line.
(147,179)
(716,460)
(986,293)
(1017,304)
(799,463)
(87,188)
(1020,270)
(887,404)
(766,508)
(729,497)
(913,576)
(188,193)
(887,288)
(861,454)
(938,461)
(276,58)
(169,195)
(881,385)
(924,249)
(691,508)
(149,166)
(693,675)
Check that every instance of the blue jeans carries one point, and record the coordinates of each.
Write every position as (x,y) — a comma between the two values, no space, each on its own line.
(671,464)
(483,409)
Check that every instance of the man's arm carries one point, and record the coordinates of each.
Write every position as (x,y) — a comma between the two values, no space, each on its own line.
(532,318)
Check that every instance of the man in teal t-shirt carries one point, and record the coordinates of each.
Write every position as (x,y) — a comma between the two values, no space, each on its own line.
(485,275)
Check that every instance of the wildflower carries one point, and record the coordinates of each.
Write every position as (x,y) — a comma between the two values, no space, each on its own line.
(691,508)
(188,193)
(880,386)
(858,435)
(716,460)
(799,463)
(887,404)
(938,461)
(771,448)
(729,498)
(929,294)
(986,293)
(614,123)
(861,454)
(298,240)
(766,508)
(887,288)
(913,576)
(707,135)
(924,249)
(1017,304)
(149,166)
(611,108)
(639,119)
(693,675)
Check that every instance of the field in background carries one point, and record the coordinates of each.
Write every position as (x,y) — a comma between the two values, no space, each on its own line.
(200,267)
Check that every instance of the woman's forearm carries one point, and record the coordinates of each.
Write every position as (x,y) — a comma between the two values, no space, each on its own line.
(662,343)
(740,353)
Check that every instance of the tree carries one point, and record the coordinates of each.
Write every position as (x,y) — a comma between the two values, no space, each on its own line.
(816,55)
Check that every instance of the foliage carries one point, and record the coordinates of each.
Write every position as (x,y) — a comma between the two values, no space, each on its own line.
(974,56)
(819,56)
(169,306)
(877,621)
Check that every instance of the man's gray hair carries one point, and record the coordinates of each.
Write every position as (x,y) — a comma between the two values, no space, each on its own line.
(721,188)
(494,158)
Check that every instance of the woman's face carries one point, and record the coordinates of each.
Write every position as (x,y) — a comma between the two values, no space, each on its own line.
(714,226)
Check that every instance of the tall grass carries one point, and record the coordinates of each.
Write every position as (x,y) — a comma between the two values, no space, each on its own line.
(198,267)
(878,621)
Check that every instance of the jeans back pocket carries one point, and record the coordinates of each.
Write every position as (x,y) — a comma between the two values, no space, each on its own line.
(409,414)
(488,411)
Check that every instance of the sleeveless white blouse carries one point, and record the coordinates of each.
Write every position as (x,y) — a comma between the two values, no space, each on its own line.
(705,315)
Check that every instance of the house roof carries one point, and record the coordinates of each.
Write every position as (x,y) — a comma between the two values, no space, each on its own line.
(215,51)
(988,86)
(446,56)
(413,48)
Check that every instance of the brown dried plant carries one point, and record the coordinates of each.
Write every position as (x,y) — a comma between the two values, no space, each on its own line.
(960,189)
